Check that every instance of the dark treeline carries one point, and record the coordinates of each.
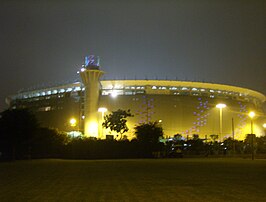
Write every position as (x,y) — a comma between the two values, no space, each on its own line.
(21,137)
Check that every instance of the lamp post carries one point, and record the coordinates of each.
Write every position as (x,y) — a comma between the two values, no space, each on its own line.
(73,124)
(220,107)
(102,110)
(252,115)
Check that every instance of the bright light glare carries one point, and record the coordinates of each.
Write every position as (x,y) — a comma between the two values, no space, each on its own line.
(82,69)
(251,114)
(93,129)
(73,122)
(114,94)
(220,106)
(264,125)
(102,109)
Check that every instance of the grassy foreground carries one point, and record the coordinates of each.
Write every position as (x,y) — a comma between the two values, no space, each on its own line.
(134,180)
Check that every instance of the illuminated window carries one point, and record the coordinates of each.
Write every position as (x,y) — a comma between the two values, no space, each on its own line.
(118,87)
(104,92)
(184,88)
(154,87)
(212,91)
(54,91)
(110,87)
(77,88)
(69,90)
(140,92)
(128,93)
(47,108)
(194,89)
(202,90)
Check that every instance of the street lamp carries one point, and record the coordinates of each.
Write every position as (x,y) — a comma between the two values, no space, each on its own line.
(102,110)
(252,115)
(220,106)
(73,122)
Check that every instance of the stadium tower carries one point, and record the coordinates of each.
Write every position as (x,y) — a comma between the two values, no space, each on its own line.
(90,75)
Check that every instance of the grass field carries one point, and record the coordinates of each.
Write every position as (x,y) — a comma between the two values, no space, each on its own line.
(134,180)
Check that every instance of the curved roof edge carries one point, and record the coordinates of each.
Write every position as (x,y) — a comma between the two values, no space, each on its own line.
(213,86)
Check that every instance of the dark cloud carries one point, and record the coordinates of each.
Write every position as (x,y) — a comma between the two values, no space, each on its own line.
(44,42)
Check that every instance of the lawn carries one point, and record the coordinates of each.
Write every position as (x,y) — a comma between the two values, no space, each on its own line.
(134,180)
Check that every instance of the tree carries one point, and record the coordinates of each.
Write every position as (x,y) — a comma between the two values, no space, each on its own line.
(250,143)
(261,144)
(149,132)
(214,137)
(49,142)
(17,128)
(117,121)
(148,135)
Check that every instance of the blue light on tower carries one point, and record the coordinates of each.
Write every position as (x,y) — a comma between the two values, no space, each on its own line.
(92,60)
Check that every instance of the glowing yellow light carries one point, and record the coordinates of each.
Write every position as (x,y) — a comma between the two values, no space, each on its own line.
(73,122)
(114,94)
(102,109)
(264,125)
(220,105)
(251,114)
(93,129)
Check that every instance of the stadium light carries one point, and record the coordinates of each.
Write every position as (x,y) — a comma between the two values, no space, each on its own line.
(220,106)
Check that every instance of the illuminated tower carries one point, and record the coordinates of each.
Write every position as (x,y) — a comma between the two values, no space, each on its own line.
(90,75)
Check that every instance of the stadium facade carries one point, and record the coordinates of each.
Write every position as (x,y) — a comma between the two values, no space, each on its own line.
(181,107)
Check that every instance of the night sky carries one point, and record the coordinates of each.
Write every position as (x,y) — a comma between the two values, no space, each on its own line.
(44,42)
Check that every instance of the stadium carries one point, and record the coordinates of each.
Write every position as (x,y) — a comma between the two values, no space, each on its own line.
(181,107)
